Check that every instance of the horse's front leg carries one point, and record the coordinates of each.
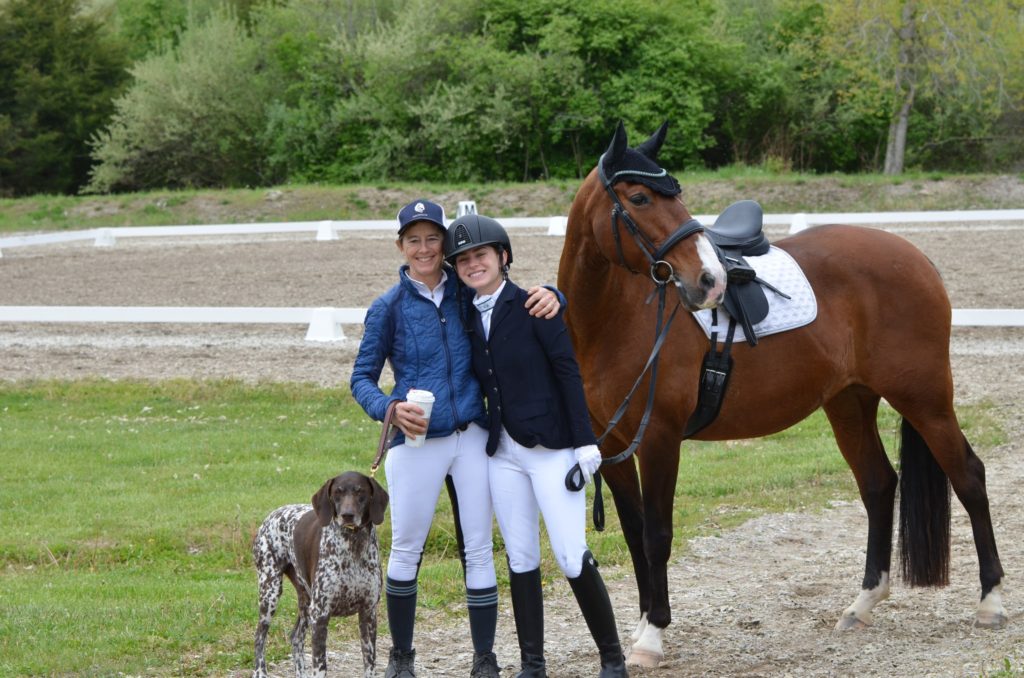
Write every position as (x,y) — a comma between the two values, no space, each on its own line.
(659,467)
(624,483)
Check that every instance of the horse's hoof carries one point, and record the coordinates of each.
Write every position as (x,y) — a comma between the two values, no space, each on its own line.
(849,622)
(990,620)
(644,658)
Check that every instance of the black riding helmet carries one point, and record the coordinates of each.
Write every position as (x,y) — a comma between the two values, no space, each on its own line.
(471,231)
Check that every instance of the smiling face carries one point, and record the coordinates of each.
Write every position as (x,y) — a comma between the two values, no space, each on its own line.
(421,245)
(481,269)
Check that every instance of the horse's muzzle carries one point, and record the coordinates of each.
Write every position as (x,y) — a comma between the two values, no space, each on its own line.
(709,292)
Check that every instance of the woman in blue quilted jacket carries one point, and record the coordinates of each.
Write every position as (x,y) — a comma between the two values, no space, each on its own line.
(417,326)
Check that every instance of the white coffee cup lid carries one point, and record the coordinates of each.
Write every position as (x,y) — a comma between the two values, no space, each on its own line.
(420,395)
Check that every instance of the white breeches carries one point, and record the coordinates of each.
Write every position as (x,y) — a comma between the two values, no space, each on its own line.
(415,478)
(526,482)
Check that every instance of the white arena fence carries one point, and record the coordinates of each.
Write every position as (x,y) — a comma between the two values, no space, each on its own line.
(325,324)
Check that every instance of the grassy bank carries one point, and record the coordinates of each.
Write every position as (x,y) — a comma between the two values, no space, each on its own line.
(705,192)
(127,509)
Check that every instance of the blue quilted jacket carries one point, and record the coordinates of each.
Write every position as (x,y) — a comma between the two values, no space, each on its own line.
(427,348)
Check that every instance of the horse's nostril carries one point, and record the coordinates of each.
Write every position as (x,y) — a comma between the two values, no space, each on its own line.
(707,281)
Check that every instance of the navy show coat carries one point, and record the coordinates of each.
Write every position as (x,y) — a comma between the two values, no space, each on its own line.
(529,375)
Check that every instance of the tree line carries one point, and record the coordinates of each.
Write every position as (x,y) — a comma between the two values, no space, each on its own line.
(119,95)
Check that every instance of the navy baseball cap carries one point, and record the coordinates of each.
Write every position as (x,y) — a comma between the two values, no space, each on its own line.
(420,210)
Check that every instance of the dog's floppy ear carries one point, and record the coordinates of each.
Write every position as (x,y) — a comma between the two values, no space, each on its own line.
(378,502)
(323,505)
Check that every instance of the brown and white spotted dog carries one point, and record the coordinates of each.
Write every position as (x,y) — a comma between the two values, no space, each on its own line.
(330,553)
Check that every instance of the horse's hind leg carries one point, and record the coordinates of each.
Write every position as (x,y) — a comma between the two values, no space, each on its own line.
(934,433)
(853,415)
(624,483)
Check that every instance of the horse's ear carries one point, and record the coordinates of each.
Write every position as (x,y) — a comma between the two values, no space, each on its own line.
(652,146)
(617,148)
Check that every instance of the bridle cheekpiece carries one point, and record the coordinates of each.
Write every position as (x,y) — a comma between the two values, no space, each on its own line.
(655,254)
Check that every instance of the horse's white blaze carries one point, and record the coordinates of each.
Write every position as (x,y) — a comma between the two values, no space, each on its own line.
(865,602)
(647,649)
(713,267)
(991,610)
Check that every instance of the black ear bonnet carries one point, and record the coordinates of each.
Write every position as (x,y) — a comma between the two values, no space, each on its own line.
(639,165)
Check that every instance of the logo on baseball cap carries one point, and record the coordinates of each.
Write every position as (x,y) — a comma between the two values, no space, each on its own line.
(420,210)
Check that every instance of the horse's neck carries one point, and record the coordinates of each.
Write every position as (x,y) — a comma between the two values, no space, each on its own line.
(586,278)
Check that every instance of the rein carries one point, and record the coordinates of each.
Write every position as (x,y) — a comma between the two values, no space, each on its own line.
(574,480)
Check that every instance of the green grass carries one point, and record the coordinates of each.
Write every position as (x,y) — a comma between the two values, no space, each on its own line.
(127,509)
(1006,670)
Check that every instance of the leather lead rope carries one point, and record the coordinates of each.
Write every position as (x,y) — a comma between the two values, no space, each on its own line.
(387,434)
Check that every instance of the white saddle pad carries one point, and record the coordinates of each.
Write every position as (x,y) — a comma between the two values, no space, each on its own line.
(782,272)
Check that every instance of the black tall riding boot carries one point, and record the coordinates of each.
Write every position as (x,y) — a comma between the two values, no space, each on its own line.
(596,607)
(528,610)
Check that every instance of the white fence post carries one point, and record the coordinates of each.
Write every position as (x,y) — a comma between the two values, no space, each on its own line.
(323,326)
(326,231)
(105,238)
(557,225)
(799,223)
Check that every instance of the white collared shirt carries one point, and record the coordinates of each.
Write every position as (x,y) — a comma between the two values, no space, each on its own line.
(436,294)
(485,304)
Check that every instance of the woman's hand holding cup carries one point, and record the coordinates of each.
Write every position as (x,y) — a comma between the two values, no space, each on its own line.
(413,416)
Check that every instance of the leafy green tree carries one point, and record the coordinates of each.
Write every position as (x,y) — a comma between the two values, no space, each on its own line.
(313,49)
(59,71)
(508,113)
(950,58)
(643,62)
(523,89)
(194,115)
(148,25)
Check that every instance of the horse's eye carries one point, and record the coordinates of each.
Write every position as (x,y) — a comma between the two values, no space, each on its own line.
(639,199)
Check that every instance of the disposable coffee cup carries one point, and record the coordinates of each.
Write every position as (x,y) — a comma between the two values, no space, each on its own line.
(425,399)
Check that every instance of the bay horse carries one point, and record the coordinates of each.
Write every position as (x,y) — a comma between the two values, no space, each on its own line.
(882,331)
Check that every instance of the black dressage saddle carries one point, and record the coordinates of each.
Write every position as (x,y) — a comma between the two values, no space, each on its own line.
(738,233)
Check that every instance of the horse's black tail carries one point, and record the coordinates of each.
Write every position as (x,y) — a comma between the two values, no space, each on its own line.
(924,512)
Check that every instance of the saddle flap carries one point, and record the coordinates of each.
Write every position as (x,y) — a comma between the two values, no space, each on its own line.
(747,302)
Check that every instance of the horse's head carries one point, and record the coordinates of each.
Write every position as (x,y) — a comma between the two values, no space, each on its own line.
(638,221)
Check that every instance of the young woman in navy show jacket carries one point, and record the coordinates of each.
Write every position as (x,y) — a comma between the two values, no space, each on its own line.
(538,430)
(416,326)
